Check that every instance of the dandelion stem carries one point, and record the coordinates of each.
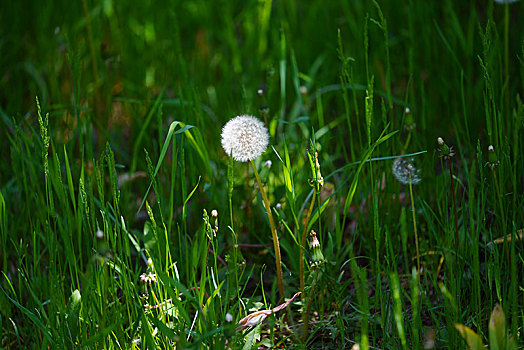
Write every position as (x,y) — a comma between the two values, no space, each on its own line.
(414,224)
(303,244)
(454,207)
(305,331)
(273,232)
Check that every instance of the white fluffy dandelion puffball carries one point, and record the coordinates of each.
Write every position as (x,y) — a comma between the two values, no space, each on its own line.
(245,137)
(405,172)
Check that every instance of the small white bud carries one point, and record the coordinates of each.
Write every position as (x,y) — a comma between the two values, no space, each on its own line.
(408,110)
(490,148)
(260,92)
(440,141)
(303,90)
(150,262)
(268,163)
(99,234)
(214,213)
(278,206)
(229,317)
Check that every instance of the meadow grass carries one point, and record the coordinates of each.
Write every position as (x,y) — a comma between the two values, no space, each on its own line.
(112,166)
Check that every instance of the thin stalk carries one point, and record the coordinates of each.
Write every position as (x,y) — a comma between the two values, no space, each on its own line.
(506,52)
(94,64)
(305,331)
(273,232)
(454,207)
(499,196)
(232,228)
(414,225)
(303,243)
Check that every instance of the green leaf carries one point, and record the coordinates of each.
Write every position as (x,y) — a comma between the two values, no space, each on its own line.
(163,328)
(473,339)
(316,213)
(252,337)
(215,292)
(170,133)
(145,124)
(73,313)
(147,335)
(99,336)
(36,320)
(367,155)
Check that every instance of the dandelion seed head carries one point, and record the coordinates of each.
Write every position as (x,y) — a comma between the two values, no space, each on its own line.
(245,138)
(405,172)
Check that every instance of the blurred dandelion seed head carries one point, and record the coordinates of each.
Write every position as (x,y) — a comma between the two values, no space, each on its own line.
(245,138)
(405,172)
